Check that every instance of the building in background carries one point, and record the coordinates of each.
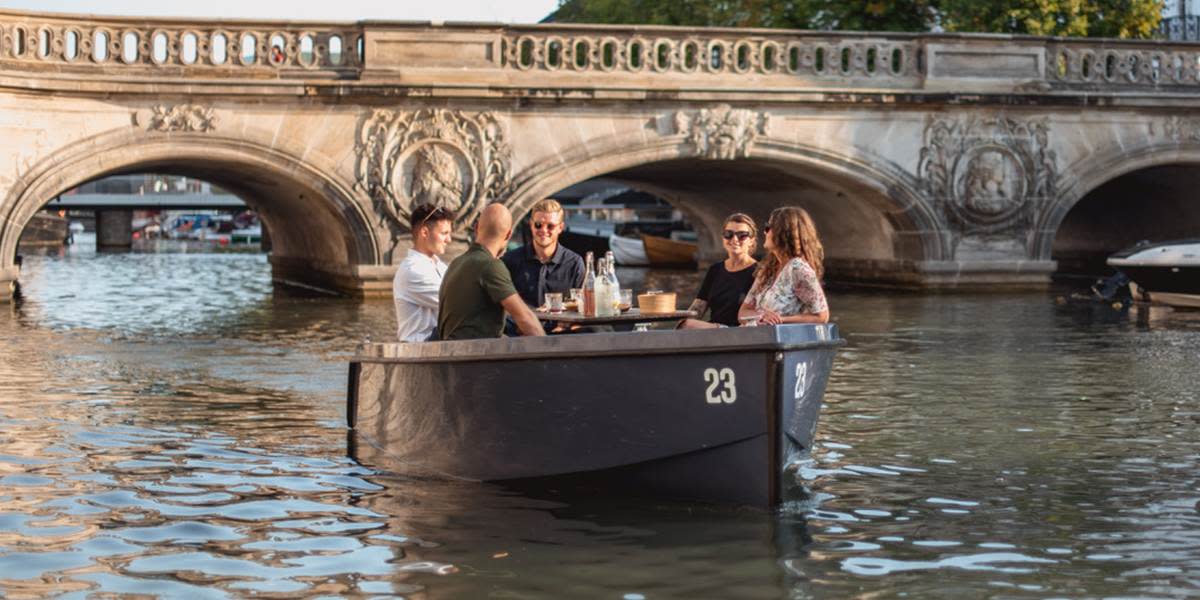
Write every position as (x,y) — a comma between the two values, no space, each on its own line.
(1180,20)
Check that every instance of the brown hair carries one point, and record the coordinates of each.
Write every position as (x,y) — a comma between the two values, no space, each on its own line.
(427,214)
(745,219)
(793,235)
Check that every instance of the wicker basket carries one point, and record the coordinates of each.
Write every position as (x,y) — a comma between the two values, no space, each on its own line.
(656,303)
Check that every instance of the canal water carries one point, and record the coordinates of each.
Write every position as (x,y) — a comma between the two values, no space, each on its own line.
(170,426)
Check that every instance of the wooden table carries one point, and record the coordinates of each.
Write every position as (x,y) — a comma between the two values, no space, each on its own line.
(632,315)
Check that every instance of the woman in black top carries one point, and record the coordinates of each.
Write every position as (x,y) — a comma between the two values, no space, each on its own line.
(727,282)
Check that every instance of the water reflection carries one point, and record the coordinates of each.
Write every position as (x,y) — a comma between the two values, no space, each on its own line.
(171,426)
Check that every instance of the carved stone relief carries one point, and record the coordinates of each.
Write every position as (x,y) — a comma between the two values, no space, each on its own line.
(988,174)
(722,132)
(180,117)
(451,158)
(1182,130)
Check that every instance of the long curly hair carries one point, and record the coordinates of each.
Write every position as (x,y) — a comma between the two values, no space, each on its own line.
(793,235)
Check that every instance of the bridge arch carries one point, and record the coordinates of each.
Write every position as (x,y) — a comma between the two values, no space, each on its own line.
(321,230)
(1094,213)
(872,218)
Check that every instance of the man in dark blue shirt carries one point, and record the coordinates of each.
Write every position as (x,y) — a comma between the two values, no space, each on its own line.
(544,265)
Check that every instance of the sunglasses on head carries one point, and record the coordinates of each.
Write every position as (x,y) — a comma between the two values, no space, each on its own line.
(437,214)
(544,225)
(729,234)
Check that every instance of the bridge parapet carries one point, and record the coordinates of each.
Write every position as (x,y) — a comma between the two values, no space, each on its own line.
(1119,65)
(570,59)
(114,46)
(691,52)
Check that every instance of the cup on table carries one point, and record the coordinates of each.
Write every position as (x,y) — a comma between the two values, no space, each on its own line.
(554,302)
(625,301)
(750,320)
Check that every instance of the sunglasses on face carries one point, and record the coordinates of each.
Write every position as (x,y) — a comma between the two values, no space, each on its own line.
(544,225)
(767,229)
(729,234)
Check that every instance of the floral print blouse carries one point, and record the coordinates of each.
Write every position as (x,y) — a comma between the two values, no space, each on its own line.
(795,291)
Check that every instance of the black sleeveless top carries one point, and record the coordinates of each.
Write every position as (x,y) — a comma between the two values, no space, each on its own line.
(724,291)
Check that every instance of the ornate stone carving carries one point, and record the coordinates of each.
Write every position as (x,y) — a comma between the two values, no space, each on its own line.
(451,158)
(181,117)
(722,132)
(1182,130)
(988,173)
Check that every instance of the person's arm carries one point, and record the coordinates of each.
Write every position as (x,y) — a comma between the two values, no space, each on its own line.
(700,304)
(521,314)
(821,317)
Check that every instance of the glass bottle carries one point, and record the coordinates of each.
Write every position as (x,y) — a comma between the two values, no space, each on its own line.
(614,286)
(604,291)
(589,288)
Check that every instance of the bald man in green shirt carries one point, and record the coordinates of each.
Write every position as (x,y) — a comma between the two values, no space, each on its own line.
(477,289)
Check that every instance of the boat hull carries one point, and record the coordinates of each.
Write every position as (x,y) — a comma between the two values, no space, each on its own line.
(628,251)
(701,415)
(667,252)
(1168,272)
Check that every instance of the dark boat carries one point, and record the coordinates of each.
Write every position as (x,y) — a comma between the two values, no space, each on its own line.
(1165,272)
(45,229)
(710,415)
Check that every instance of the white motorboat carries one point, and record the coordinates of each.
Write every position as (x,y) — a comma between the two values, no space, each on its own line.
(628,252)
(1165,272)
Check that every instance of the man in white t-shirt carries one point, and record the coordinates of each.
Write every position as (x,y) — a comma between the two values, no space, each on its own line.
(419,275)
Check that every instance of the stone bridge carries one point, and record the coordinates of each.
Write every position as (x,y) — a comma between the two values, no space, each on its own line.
(928,161)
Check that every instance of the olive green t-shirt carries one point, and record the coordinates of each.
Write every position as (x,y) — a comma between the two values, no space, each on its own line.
(469,299)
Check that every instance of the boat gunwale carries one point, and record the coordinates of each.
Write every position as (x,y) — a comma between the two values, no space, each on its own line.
(588,345)
(597,354)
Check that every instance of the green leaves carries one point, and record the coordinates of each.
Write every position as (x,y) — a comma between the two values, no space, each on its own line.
(1091,18)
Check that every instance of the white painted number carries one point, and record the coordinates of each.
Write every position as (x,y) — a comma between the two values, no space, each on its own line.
(801,379)
(722,386)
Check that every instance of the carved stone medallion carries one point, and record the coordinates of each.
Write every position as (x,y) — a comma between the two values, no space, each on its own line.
(722,132)
(988,173)
(453,159)
(180,117)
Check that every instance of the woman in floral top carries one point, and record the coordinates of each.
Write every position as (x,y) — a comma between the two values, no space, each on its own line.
(787,285)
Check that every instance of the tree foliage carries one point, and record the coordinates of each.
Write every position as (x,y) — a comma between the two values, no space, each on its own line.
(1093,18)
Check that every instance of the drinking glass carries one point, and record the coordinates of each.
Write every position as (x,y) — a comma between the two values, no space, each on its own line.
(554,301)
(626,300)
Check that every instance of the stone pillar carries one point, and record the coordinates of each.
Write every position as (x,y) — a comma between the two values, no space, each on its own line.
(361,281)
(264,241)
(114,229)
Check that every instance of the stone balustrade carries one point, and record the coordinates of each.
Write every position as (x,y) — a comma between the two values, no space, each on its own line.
(720,52)
(107,45)
(1118,65)
(584,56)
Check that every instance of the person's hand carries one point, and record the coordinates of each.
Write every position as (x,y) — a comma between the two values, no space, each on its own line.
(770,317)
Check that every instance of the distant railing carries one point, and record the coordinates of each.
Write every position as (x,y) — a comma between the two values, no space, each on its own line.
(700,52)
(134,44)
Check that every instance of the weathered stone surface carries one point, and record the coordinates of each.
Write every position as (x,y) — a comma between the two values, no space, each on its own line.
(952,172)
